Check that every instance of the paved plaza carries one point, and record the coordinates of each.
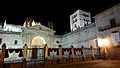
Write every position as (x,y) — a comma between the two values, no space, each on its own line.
(86,64)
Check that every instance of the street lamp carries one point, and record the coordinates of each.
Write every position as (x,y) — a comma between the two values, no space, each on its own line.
(103,42)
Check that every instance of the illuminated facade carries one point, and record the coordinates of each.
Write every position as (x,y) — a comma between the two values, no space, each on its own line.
(85,36)
(79,19)
(88,34)
(15,36)
(108,26)
(37,35)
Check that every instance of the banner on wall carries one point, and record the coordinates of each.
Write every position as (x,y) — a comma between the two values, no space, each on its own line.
(115,38)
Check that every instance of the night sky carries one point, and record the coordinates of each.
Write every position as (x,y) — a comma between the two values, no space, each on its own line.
(56,11)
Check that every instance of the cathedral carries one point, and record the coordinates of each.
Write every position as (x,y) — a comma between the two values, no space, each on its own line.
(83,31)
(34,34)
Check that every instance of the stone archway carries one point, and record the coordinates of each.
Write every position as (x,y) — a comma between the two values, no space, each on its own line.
(38,42)
(37,46)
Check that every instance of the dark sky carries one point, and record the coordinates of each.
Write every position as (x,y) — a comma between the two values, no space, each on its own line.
(56,11)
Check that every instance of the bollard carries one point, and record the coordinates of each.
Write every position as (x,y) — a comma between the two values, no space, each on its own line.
(45,54)
(60,53)
(46,51)
(92,53)
(2,55)
(24,56)
(72,53)
(82,53)
(25,51)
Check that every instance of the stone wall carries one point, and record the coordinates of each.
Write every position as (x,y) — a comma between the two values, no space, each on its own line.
(102,19)
(9,39)
(85,36)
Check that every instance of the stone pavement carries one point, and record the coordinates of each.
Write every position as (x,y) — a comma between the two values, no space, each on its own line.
(70,65)
(88,64)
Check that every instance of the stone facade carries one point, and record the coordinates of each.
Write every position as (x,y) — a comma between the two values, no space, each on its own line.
(79,19)
(108,22)
(10,37)
(102,20)
(16,39)
(108,32)
(85,36)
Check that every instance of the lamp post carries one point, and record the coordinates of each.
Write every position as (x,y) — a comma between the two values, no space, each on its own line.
(103,43)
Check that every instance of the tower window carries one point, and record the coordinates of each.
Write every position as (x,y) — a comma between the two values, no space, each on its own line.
(15,42)
(74,16)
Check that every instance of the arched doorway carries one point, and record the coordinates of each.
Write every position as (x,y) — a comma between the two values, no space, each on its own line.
(37,47)
(38,42)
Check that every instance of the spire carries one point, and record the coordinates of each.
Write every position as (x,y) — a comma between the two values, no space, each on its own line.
(50,25)
(33,23)
(24,25)
(30,22)
(26,22)
(39,23)
(4,24)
